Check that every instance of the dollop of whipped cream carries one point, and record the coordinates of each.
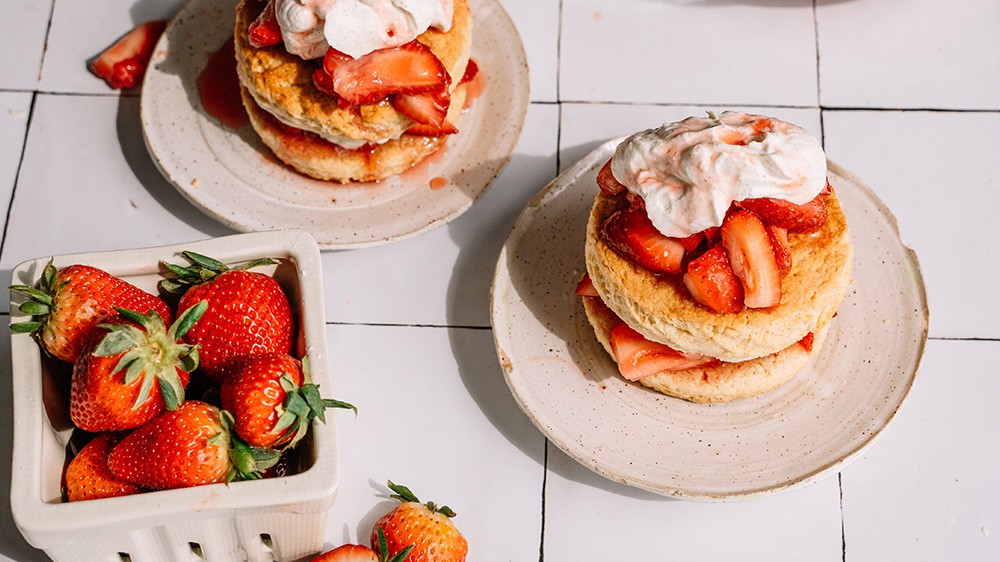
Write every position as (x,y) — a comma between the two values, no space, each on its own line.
(356,27)
(688,173)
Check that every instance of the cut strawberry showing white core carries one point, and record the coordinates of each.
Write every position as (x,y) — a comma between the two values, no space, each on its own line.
(639,357)
(407,69)
(711,281)
(123,64)
(751,256)
(429,109)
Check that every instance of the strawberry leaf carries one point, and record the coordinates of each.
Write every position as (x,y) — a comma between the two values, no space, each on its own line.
(147,387)
(171,389)
(188,362)
(119,339)
(205,261)
(331,403)
(25,327)
(187,320)
(402,494)
(34,308)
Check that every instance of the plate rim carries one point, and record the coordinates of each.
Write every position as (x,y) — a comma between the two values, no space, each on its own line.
(567,180)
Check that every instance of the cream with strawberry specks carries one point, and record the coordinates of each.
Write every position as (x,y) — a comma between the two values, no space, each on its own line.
(690,172)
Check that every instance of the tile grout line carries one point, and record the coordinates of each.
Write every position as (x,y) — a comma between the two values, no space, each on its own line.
(843,532)
(45,48)
(559,109)
(17,174)
(819,100)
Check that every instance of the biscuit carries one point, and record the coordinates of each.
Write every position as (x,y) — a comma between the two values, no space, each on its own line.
(281,83)
(315,157)
(718,383)
(659,307)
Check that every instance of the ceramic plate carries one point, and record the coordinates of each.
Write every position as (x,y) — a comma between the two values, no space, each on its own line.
(233,177)
(807,429)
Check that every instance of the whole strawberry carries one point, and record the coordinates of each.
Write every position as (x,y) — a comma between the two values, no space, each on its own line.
(70,301)
(248,313)
(425,526)
(134,368)
(189,446)
(273,402)
(87,476)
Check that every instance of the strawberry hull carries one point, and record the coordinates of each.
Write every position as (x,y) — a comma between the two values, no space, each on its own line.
(279,518)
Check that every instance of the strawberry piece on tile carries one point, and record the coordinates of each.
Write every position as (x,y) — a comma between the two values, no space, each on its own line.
(123,64)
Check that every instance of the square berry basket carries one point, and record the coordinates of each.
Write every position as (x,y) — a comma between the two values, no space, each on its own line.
(281,518)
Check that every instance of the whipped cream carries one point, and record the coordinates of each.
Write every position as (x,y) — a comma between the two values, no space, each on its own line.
(356,27)
(689,173)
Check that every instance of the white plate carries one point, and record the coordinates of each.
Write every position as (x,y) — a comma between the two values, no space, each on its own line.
(233,177)
(803,431)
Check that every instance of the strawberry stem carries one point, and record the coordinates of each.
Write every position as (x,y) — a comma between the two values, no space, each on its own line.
(404,494)
(202,269)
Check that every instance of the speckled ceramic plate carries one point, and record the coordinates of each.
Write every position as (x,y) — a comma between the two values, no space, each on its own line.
(803,431)
(234,178)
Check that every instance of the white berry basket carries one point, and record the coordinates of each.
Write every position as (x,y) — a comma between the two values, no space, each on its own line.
(280,518)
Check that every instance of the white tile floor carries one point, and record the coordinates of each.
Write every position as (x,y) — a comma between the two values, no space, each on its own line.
(908,98)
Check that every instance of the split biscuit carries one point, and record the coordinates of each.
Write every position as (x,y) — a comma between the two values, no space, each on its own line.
(721,382)
(281,83)
(660,308)
(317,158)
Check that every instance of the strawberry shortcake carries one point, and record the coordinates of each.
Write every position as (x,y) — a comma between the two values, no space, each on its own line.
(717,254)
(352,90)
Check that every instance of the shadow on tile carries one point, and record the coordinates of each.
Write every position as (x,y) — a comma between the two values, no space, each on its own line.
(129,128)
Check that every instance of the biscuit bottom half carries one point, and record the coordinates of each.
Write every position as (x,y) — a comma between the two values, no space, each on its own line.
(721,382)
(313,156)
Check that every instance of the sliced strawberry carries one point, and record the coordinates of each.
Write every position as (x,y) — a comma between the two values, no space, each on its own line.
(428,108)
(639,357)
(752,258)
(712,283)
(693,241)
(807,341)
(631,234)
(410,68)
(782,249)
(446,128)
(796,218)
(711,234)
(471,70)
(607,182)
(585,288)
(123,64)
(323,82)
(333,59)
(264,31)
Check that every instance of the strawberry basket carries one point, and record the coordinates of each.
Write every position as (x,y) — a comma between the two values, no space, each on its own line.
(280,518)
